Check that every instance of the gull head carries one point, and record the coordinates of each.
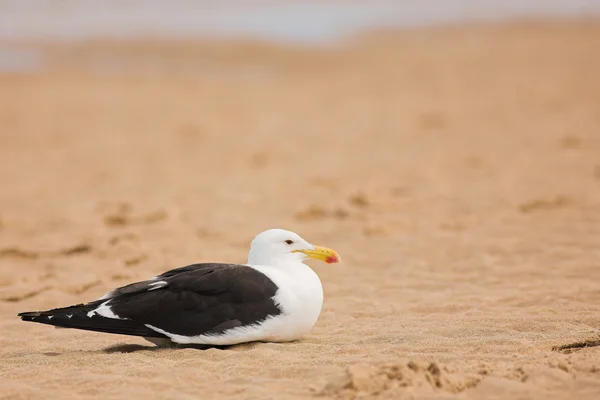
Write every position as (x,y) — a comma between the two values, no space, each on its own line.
(278,246)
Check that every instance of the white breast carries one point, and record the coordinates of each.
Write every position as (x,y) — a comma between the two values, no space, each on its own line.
(300,296)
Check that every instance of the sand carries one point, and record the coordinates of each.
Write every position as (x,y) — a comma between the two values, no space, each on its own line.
(455,169)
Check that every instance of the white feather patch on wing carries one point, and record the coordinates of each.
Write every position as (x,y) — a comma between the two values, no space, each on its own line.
(157,285)
(104,310)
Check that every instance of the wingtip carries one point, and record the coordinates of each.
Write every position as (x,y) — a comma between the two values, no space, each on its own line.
(28,314)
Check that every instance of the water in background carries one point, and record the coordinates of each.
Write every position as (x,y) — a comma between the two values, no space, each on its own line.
(312,22)
(299,21)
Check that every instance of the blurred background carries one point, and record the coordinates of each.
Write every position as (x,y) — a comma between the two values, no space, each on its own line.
(449,150)
(312,23)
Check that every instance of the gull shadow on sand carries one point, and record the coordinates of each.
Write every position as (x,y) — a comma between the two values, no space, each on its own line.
(132,348)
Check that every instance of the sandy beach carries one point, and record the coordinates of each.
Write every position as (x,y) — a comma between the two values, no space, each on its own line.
(455,169)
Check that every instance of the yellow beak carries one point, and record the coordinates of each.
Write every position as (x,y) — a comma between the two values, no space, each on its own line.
(322,254)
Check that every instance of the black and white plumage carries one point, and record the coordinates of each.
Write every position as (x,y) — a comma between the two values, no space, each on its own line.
(275,297)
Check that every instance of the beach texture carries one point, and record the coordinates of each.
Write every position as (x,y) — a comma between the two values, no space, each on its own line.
(455,169)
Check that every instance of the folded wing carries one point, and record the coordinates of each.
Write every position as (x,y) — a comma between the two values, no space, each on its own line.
(199,299)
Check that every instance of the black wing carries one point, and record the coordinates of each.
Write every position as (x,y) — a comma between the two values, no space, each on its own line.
(193,300)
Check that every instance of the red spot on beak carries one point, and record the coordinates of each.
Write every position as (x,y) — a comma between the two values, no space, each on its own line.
(333,259)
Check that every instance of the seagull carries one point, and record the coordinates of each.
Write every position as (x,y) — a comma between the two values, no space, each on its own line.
(275,297)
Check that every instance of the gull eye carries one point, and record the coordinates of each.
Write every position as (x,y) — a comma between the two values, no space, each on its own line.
(289,241)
